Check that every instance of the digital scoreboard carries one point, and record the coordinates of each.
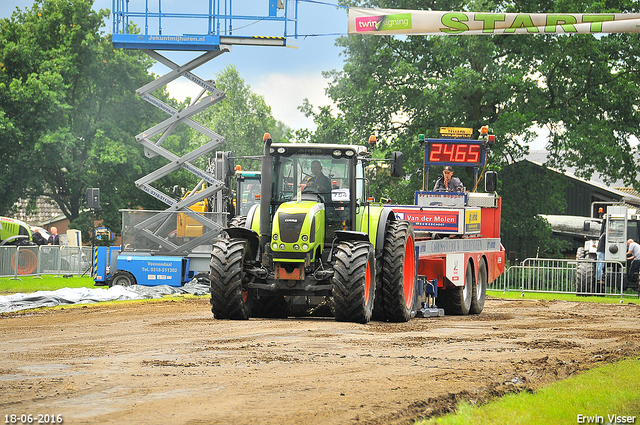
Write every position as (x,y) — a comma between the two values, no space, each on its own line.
(455,152)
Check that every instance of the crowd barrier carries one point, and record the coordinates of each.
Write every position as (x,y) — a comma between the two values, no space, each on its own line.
(17,261)
(563,276)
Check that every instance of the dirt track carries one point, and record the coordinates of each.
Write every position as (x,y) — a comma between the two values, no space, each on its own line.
(171,362)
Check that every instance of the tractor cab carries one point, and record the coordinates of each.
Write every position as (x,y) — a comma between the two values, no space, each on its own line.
(247,191)
(316,190)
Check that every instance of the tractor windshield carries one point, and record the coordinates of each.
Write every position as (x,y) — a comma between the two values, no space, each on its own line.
(320,177)
(247,193)
(320,174)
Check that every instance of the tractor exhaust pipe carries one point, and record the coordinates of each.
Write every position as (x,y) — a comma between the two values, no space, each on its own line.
(265,199)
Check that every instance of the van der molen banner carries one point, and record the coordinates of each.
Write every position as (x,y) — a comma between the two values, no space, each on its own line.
(422,22)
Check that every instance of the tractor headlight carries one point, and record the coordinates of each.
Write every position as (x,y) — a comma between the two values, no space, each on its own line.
(275,245)
(349,153)
(281,246)
(305,238)
(296,247)
(305,247)
(337,152)
(281,150)
(275,236)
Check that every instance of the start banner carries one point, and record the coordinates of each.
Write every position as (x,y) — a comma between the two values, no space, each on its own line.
(423,22)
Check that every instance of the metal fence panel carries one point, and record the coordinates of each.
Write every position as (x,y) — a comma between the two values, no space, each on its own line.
(562,276)
(16,261)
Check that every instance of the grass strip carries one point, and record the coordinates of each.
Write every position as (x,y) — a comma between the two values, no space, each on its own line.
(606,394)
(562,297)
(27,284)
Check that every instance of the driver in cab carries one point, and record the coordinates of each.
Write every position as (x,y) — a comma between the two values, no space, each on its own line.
(319,181)
(448,183)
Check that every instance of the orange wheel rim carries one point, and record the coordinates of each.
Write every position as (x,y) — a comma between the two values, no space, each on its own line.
(367,284)
(409,271)
(27,262)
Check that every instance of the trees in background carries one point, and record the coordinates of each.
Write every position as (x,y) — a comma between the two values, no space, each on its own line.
(68,101)
(242,118)
(69,114)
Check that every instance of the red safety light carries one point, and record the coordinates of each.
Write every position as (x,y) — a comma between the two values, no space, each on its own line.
(372,140)
(266,137)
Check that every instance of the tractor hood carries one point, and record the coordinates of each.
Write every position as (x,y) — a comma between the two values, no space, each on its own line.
(298,230)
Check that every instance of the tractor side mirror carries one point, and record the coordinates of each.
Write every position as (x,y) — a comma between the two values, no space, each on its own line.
(229,163)
(396,164)
(490,181)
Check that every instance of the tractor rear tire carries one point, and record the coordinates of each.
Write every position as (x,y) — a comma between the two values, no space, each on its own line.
(457,301)
(228,299)
(353,282)
(398,272)
(238,221)
(122,278)
(479,290)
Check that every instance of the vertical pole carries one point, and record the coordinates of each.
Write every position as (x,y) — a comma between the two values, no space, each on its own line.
(475,181)
(160,17)
(146,17)
(209,19)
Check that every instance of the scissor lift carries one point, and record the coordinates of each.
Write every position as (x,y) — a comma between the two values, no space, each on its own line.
(150,233)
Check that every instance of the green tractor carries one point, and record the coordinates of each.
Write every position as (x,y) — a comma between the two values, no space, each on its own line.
(15,232)
(315,235)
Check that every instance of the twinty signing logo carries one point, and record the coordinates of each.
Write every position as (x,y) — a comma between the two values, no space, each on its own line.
(399,21)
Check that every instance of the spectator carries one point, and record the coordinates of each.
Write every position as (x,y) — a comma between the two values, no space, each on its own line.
(54,239)
(633,255)
(37,237)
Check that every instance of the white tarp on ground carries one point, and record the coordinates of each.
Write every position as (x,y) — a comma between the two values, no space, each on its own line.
(432,22)
(66,296)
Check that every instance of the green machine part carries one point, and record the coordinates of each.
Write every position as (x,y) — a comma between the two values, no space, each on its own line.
(298,230)
(11,229)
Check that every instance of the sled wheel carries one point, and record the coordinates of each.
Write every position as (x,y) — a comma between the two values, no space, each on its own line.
(457,300)
(479,290)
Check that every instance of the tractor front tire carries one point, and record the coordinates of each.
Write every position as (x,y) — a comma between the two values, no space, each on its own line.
(457,301)
(398,272)
(353,282)
(585,274)
(228,299)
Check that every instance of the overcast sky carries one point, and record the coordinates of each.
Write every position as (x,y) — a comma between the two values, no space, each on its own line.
(283,76)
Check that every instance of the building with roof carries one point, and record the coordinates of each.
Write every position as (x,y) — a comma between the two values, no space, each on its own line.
(581,198)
